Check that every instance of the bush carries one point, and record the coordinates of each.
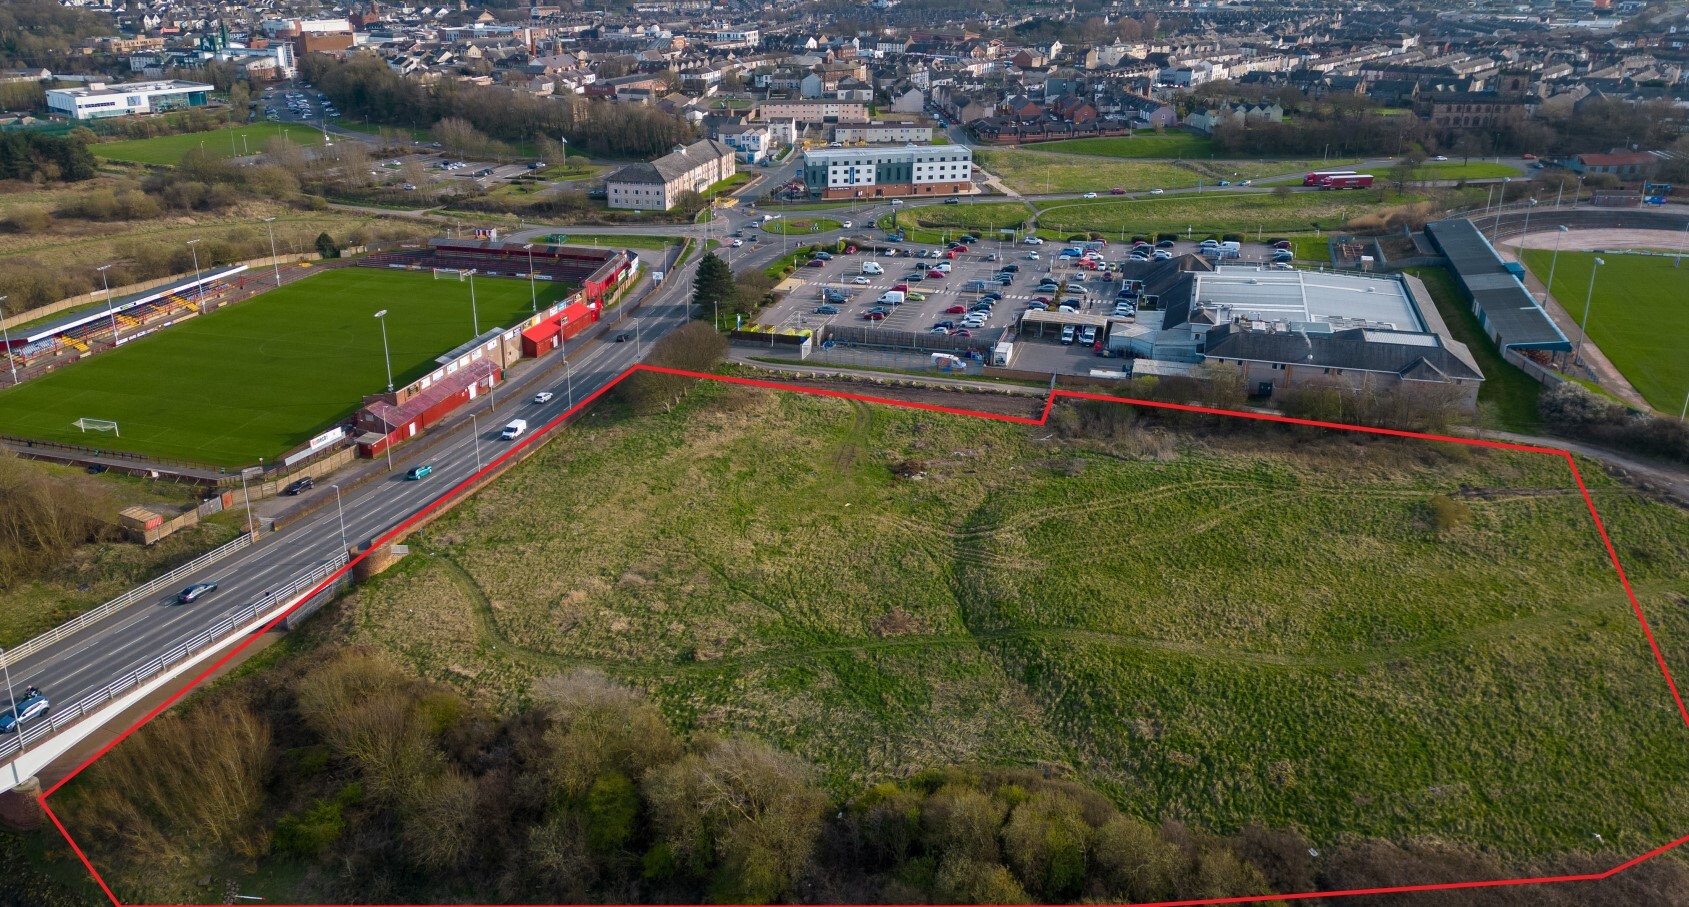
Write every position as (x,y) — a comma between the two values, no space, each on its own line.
(1570,410)
(1163,237)
(1232,237)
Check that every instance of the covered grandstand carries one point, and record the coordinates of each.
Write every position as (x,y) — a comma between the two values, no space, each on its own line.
(1508,312)
(116,322)
(595,271)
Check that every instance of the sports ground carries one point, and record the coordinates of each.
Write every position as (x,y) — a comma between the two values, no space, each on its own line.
(169,149)
(1638,316)
(263,376)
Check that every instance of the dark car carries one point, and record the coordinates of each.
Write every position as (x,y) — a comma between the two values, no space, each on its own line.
(1010,269)
(826,310)
(195,592)
(26,710)
(1165,244)
(815,263)
(874,316)
(992,296)
(624,336)
(824,256)
(952,201)
(96,469)
(305,484)
(967,237)
(419,472)
(947,325)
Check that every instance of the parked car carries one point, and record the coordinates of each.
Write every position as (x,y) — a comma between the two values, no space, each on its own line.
(1067,334)
(815,263)
(419,472)
(195,592)
(304,484)
(860,280)
(824,256)
(943,325)
(937,275)
(826,310)
(1033,241)
(1165,244)
(1010,269)
(874,316)
(1088,336)
(24,711)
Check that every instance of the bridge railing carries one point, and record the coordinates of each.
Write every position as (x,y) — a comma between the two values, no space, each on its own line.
(60,717)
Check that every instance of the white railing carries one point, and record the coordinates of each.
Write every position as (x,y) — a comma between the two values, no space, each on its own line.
(127,598)
(61,717)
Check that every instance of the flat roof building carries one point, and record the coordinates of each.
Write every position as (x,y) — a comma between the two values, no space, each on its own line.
(100,100)
(888,172)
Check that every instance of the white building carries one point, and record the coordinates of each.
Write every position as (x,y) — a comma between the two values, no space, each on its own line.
(751,140)
(889,172)
(100,100)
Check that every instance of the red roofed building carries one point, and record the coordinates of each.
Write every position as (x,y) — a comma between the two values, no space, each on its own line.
(1626,165)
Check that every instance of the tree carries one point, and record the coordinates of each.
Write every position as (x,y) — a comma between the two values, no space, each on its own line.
(1469,146)
(689,203)
(1133,863)
(740,814)
(712,287)
(1045,840)
(326,246)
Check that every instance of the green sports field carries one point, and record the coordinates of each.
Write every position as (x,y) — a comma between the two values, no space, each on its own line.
(263,376)
(1638,316)
(169,149)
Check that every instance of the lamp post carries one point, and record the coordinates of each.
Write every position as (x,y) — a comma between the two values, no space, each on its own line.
(110,312)
(533,294)
(6,666)
(199,289)
(1502,204)
(1583,326)
(1562,230)
(247,501)
(475,430)
(1529,204)
(340,512)
(474,316)
(8,337)
(386,354)
(275,264)
(569,375)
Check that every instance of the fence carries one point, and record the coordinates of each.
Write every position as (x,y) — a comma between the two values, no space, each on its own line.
(63,716)
(912,340)
(24,446)
(1548,377)
(127,598)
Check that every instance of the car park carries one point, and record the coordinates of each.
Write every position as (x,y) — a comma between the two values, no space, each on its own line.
(23,711)
(301,485)
(195,592)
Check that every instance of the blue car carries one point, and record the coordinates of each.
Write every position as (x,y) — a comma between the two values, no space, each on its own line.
(27,710)
(419,472)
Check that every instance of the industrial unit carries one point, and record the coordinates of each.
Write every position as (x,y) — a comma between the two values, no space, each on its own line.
(100,100)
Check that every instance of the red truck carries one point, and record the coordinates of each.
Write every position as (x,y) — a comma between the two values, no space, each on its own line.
(1349,181)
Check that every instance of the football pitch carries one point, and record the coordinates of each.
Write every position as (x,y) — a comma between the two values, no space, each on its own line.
(234,141)
(1638,316)
(262,376)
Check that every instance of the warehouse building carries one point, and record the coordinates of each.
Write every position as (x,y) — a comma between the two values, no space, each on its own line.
(888,172)
(99,100)
(1284,328)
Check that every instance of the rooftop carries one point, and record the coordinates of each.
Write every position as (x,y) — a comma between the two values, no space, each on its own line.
(101,89)
(1333,301)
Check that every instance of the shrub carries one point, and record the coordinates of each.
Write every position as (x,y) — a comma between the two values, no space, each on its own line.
(1233,237)
(1448,514)
(311,833)
(1570,410)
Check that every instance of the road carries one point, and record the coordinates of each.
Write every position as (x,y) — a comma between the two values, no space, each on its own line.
(93,657)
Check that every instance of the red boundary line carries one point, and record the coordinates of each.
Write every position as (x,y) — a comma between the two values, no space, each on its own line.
(1043,417)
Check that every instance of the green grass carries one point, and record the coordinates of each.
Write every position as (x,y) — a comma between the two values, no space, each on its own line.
(628,240)
(1507,390)
(1241,211)
(169,149)
(934,223)
(1268,629)
(260,377)
(1311,248)
(733,182)
(1036,173)
(1168,146)
(1638,316)
(1458,170)
(801,226)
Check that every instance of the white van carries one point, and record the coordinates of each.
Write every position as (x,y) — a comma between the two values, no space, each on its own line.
(891,297)
(872,267)
(1231,249)
(514,430)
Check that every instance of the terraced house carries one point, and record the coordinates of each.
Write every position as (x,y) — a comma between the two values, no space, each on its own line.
(656,186)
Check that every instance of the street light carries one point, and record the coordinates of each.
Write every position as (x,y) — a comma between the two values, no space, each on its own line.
(1555,262)
(340,512)
(1504,181)
(569,375)
(385,353)
(533,294)
(110,312)
(199,289)
(474,316)
(275,265)
(6,665)
(1583,326)
(475,430)
(247,500)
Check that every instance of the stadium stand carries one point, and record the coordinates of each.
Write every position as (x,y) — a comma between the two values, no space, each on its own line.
(596,271)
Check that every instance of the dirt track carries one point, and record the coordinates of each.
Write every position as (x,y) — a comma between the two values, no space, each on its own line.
(1603,239)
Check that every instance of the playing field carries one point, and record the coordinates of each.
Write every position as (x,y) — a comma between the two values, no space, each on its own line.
(169,149)
(260,377)
(1638,316)
(1168,146)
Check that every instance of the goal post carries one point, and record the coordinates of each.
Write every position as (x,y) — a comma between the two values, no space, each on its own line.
(88,425)
(449,274)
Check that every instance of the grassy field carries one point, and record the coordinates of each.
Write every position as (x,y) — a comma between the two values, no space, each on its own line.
(1032,172)
(1458,170)
(1271,630)
(169,149)
(1241,211)
(258,378)
(629,240)
(1311,248)
(1638,316)
(931,223)
(801,226)
(1148,145)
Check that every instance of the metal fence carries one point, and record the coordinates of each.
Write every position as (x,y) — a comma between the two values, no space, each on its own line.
(908,340)
(64,716)
(127,598)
